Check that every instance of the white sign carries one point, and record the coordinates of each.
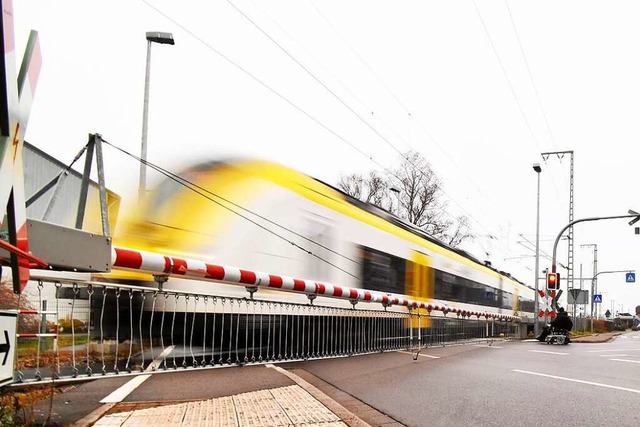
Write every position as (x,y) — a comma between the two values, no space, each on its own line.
(7,346)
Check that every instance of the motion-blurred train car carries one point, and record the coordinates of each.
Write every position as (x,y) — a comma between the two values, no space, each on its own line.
(266,217)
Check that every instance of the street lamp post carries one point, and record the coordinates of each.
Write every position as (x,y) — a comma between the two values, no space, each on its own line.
(537,169)
(395,190)
(160,38)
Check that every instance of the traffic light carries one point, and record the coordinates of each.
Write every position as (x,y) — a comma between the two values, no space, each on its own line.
(553,281)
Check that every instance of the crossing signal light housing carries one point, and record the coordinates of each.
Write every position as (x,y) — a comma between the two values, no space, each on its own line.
(553,281)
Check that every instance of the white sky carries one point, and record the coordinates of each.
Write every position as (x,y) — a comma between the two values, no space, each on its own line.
(424,74)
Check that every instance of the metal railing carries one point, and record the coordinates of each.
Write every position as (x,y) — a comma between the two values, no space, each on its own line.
(103,329)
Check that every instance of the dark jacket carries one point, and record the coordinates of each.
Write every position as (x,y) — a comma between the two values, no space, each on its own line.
(562,322)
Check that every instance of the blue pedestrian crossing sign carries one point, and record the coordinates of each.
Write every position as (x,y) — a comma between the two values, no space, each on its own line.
(630,278)
(597,298)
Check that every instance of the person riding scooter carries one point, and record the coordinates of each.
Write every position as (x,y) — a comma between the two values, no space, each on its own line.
(562,322)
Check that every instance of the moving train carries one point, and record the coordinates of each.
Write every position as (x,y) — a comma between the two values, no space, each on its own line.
(263,216)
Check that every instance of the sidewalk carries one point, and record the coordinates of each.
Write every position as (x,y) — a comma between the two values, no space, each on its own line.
(284,406)
(261,395)
(596,338)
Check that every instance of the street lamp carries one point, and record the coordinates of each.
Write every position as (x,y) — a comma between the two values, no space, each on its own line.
(160,38)
(537,169)
(395,190)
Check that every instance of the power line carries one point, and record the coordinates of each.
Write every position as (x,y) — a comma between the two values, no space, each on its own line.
(526,61)
(506,76)
(258,80)
(301,110)
(513,92)
(347,106)
(409,114)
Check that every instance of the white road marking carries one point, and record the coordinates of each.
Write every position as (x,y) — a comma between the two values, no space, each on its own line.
(613,351)
(119,394)
(486,346)
(158,360)
(625,360)
(421,355)
(549,352)
(613,355)
(632,390)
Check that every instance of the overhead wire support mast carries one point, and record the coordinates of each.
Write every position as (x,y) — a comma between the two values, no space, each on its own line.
(560,155)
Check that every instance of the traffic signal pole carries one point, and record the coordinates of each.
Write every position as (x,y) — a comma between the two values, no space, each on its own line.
(634,215)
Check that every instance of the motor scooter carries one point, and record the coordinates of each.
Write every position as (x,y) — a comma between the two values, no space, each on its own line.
(551,335)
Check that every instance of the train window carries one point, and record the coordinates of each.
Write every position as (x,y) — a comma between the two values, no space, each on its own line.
(527,305)
(381,271)
(450,287)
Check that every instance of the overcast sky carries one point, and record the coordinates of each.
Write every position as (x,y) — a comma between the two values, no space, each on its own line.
(480,88)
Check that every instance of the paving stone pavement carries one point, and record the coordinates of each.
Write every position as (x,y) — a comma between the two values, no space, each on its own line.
(284,406)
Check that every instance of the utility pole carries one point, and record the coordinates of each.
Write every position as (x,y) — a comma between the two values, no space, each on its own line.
(560,155)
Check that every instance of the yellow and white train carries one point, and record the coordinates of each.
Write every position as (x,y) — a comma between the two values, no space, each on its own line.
(266,217)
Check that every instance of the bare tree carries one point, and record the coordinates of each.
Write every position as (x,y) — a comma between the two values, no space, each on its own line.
(419,197)
(458,232)
(371,189)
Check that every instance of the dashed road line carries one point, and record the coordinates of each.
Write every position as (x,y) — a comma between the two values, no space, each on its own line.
(613,355)
(625,360)
(613,351)
(421,355)
(549,352)
(631,390)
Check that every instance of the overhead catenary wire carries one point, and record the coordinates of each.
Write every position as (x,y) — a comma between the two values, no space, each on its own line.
(397,99)
(406,110)
(506,77)
(511,88)
(297,107)
(301,110)
(533,83)
(348,107)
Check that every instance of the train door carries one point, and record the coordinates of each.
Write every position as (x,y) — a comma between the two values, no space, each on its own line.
(420,284)
(516,302)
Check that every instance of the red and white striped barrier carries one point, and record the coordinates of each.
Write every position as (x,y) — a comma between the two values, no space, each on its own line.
(149,262)
(52,335)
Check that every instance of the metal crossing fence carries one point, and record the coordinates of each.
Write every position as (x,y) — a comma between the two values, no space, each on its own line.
(100,329)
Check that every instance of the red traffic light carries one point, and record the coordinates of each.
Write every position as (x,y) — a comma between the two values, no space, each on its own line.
(553,281)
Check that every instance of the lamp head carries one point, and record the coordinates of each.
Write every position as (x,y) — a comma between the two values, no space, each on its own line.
(162,38)
(537,168)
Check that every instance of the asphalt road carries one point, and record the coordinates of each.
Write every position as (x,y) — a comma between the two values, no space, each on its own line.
(521,383)
(514,383)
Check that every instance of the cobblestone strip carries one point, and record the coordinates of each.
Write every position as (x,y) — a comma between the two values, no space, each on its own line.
(280,407)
